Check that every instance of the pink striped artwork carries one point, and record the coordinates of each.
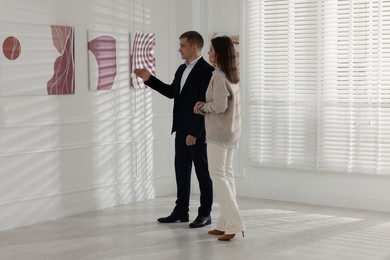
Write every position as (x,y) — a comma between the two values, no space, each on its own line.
(142,56)
(102,57)
(36,60)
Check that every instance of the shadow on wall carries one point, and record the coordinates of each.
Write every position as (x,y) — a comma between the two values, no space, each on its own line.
(123,161)
(63,155)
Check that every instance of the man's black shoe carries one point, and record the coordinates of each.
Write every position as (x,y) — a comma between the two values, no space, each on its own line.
(201,221)
(174,217)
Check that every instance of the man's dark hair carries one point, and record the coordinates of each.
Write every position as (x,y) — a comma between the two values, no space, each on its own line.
(193,38)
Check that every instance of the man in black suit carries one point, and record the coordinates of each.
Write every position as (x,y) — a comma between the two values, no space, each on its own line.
(189,85)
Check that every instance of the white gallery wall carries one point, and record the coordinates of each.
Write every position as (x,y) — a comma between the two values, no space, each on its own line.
(66,154)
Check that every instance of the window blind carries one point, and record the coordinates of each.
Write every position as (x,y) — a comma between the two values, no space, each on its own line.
(319,80)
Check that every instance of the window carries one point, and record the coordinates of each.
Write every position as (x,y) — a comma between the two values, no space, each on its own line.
(318,73)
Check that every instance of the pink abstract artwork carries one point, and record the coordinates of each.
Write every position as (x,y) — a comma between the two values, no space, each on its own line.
(36,60)
(102,61)
(142,56)
(63,78)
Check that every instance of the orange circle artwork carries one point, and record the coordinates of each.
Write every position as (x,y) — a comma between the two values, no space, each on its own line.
(11,48)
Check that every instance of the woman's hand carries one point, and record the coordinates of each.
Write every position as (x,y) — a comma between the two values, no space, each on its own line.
(196,107)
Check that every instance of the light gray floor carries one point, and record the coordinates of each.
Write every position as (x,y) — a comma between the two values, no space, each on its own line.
(275,230)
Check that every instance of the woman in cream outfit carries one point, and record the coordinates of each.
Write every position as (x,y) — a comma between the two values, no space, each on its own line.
(223,128)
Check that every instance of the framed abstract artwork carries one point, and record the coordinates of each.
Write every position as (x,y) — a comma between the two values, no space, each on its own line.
(36,59)
(108,58)
(142,56)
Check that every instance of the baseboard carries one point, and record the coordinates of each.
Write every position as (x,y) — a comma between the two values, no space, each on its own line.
(24,217)
(31,210)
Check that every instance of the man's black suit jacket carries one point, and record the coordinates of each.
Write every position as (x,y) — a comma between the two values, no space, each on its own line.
(185,122)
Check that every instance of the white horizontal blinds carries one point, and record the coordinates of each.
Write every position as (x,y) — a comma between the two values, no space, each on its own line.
(327,84)
(320,89)
(303,85)
(254,78)
(345,108)
(270,92)
(283,100)
(383,76)
(354,115)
